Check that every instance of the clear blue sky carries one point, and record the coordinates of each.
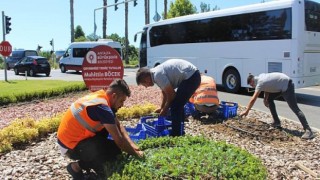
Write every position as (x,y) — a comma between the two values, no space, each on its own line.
(38,21)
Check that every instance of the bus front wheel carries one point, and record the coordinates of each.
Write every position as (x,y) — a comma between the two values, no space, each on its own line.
(231,81)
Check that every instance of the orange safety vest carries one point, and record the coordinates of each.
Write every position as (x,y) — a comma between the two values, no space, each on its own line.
(206,92)
(76,125)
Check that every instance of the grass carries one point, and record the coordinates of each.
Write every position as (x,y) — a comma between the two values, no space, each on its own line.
(20,87)
(21,90)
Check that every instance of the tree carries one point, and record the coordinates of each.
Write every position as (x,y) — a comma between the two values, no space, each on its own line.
(181,8)
(91,37)
(72,20)
(78,32)
(104,20)
(165,13)
(204,7)
(116,37)
(126,58)
(81,39)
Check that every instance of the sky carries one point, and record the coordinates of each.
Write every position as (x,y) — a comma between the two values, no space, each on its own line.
(37,22)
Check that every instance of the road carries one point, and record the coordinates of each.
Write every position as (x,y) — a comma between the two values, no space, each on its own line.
(308,98)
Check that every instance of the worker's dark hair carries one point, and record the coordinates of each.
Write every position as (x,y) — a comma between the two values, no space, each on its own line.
(119,85)
(250,77)
(142,73)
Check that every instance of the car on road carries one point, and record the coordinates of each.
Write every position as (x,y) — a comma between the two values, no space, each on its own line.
(17,55)
(32,65)
(59,54)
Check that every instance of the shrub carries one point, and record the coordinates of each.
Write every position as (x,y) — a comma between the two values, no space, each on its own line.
(187,158)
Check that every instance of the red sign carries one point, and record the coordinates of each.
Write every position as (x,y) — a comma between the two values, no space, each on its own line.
(5,48)
(101,65)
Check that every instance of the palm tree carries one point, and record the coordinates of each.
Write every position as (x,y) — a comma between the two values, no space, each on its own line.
(72,20)
(104,20)
(165,9)
(126,34)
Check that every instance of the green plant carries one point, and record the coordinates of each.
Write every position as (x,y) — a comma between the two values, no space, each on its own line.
(19,91)
(26,130)
(187,158)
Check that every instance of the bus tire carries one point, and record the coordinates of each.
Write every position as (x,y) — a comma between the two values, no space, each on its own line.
(63,68)
(231,81)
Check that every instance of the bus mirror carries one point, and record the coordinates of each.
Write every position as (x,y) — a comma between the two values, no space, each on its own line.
(135,37)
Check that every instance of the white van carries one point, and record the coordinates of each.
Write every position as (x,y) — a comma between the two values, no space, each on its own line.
(73,57)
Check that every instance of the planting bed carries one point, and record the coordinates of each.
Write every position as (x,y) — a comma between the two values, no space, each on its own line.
(278,150)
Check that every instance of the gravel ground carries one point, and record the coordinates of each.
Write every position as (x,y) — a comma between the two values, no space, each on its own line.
(279,150)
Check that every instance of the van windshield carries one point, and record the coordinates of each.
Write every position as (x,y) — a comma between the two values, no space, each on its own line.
(31,53)
(17,54)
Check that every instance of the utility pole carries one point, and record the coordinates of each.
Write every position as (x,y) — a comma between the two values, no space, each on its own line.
(94,13)
(53,56)
(5,30)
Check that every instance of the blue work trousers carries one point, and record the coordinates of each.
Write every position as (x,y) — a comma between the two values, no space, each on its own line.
(184,91)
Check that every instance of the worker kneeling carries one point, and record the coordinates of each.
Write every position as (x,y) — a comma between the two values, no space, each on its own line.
(205,98)
(83,131)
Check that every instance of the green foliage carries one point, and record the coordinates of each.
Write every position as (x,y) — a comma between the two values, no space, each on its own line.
(48,125)
(91,37)
(116,37)
(50,57)
(81,39)
(25,130)
(187,158)
(20,131)
(181,8)
(19,91)
(1,62)
(206,7)
(135,111)
(78,32)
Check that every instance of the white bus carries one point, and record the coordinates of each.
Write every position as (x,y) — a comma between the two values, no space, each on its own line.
(275,36)
(74,55)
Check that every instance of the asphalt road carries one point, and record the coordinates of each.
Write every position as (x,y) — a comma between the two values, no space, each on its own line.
(308,98)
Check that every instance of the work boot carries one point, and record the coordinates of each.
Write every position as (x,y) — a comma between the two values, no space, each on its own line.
(276,126)
(308,134)
(75,175)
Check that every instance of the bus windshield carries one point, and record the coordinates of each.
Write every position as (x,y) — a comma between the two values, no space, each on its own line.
(312,15)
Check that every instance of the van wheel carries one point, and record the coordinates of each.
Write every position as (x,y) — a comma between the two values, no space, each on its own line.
(8,68)
(231,81)
(63,68)
(48,74)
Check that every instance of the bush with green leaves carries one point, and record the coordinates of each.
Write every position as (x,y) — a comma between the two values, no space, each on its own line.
(20,91)
(187,158)
(24,131)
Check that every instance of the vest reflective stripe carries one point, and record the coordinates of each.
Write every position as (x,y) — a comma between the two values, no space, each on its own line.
(206,96)
(204,89)
(76,113)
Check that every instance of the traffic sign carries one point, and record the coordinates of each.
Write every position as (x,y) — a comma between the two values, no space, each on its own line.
(156,17)
(5,48)
(101,65)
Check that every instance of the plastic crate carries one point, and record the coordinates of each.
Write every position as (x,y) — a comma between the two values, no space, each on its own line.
(135,134)
(227,109)
(158,126)
(189,110)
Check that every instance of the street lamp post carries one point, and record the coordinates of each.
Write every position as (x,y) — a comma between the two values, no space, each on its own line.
(94,14)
